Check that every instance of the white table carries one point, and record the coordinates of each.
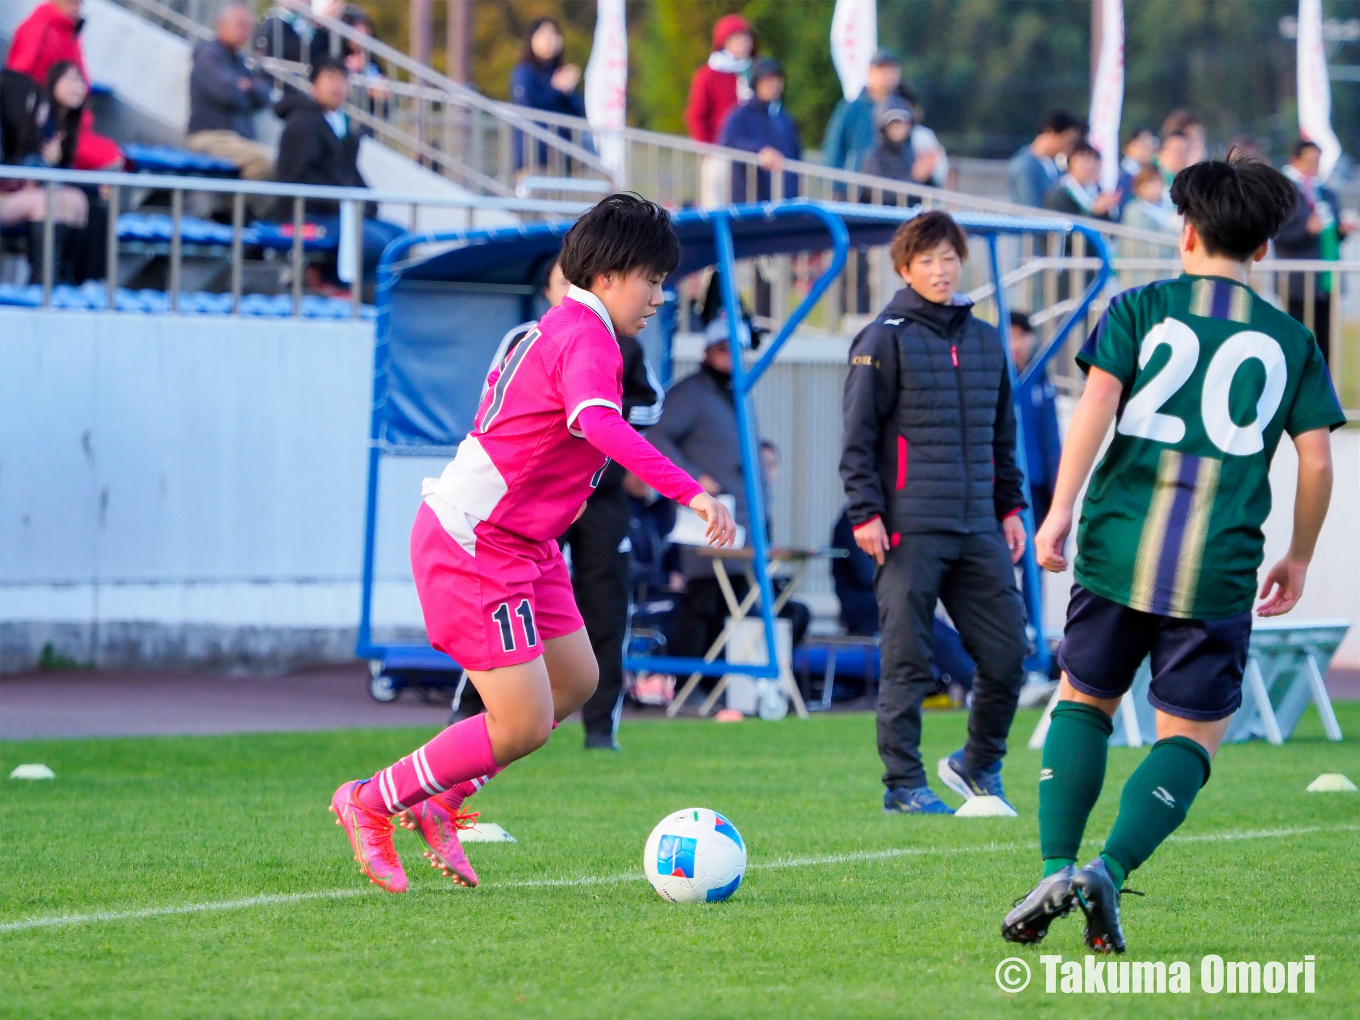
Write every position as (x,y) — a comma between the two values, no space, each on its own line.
(739,609)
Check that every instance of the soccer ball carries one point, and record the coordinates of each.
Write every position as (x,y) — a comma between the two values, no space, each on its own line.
(695,856)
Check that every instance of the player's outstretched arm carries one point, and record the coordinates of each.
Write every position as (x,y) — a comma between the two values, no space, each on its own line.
(1283,584)
(721,529)
(1090,421)
(605,429)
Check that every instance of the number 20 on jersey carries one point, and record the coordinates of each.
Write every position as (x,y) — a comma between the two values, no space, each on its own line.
(1144,418)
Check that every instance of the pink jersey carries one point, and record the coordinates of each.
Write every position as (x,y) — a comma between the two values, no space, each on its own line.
(525,466)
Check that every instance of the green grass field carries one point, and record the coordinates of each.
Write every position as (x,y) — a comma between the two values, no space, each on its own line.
(845,912)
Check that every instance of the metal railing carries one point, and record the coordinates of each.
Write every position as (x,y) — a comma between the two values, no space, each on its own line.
(1042,275)
(125,192)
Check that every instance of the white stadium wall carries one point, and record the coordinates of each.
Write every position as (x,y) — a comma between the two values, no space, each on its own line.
(191,489)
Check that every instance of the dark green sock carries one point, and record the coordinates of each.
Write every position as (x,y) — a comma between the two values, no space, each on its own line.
(1069,785)
(1155,801)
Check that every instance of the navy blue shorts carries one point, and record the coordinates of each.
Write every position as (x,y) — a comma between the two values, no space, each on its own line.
(1197,665)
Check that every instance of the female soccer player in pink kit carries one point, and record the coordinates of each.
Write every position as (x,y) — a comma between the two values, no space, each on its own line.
(493,586)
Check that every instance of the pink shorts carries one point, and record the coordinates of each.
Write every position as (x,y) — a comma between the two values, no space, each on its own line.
(494,606)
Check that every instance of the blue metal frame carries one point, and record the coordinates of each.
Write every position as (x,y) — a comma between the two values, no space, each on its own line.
(1041,659)
(744,379)
(393,656)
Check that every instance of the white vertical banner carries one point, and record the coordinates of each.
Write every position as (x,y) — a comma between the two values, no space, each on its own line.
(1107,92)
(854,38)
(607,85)
(1315,90)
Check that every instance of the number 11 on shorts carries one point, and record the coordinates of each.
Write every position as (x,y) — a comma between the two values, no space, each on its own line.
(525,612)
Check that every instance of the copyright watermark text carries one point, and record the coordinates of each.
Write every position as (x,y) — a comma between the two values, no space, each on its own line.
(1094,975)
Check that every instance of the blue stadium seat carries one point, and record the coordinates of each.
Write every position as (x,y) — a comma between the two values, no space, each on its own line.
(92,297)
(156,228)
(164,159)
(279,236)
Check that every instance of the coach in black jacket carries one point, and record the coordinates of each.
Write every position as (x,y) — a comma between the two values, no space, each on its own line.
(928,462)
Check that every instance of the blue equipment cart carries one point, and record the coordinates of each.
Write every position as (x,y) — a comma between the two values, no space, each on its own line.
(441,317)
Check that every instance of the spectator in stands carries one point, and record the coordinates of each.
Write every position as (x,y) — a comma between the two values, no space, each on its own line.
(1314,231)
(1146,209)
(359,61)
(1034,168)
(761,125)
(716,88)
(319,146)
(1139,151)
(723,81)
(289,36)
(1077,192)
(928,463)
(224,96)
(894,157)
(698,431)
(925,142)
(41,127)
(322,43)
(541,81)
(1183,122)
(50,34)
(852,133)
(1172,157)
(281,36)
(1038,404)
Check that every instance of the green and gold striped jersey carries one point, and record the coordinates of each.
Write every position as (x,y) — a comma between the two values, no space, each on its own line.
(1213,375)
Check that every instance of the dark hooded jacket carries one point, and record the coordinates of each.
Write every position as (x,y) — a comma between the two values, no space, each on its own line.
(310,152)
(889,158)
(929,427)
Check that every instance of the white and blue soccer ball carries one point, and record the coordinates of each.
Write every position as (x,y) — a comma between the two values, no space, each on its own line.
(695,856)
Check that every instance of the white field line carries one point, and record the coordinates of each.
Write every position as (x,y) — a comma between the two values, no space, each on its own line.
(820,860)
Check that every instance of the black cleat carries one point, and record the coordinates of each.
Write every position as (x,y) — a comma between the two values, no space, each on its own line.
(1046,902)
(1094,891)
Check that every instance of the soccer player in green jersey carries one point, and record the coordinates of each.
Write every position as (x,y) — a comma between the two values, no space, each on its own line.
(1200,377)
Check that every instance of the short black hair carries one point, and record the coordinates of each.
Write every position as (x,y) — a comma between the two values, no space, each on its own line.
(324,64)
(1019,320)
(1303,146)
(619,234)
(924,232)
(1084,148)
(1235,205)
(1060,120)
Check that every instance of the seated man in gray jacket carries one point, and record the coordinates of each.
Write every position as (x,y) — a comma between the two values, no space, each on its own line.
(928,462)
(698,431)
(224,96)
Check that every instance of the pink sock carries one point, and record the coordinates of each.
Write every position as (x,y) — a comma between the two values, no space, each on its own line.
(460,792)
(457,755)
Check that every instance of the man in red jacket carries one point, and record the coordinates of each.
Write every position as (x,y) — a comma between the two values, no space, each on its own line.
(722,82)
(50,35)
(718,86)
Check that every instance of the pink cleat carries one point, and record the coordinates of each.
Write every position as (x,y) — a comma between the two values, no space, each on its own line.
(437,822)
(371,836)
